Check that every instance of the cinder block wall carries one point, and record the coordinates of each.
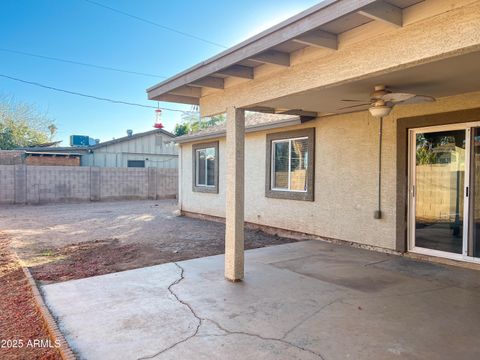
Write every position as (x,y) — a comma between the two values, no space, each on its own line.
(131,183)
(7,184)
(11,157)
(57,183)
(22,184)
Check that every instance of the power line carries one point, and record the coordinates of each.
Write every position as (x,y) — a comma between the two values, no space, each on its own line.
(81,63)
(156,24)
(91,96)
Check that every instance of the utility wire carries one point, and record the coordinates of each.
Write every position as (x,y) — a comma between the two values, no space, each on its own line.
(156,24)
(80,63)
(91,96)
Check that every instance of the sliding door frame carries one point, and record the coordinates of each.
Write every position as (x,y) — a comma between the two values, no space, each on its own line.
(467,205)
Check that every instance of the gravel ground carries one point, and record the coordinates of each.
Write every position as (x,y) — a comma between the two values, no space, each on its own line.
(68,241)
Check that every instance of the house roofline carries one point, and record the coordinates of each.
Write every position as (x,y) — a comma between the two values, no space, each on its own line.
(185,87)
(249,41)
(54,153)
(52,149)
(249,129)
(93,147)
(127,138)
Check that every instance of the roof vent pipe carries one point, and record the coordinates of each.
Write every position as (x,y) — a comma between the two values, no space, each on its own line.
(129,132)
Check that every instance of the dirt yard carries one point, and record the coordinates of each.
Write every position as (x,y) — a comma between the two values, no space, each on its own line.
(71,241)
(20,321)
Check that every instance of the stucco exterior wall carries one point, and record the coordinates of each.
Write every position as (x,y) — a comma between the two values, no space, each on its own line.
(346,160)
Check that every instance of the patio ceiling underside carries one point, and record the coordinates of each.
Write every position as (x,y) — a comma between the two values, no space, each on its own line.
(317,27)
(447,77)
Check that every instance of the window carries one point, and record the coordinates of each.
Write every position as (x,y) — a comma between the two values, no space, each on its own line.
(290,165)
(205,167)
(136,163)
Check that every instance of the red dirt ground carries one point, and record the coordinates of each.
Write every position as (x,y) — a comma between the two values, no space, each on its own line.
(105,256)
(19,317)
(60,242)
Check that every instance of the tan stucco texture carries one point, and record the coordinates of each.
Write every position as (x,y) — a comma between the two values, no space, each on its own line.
(346,160)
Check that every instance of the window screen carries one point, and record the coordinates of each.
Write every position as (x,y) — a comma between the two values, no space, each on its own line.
(290,164)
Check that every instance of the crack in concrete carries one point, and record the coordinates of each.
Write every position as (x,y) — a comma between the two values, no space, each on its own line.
(376,262)
(264,338)
(225,330)
(176,282)
(306,318)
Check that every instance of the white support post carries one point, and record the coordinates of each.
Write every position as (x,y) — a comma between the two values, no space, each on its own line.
(235,197)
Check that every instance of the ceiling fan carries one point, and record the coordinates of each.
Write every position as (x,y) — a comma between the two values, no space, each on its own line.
(382,100)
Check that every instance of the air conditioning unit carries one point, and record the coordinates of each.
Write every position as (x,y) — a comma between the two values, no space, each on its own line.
(82,140)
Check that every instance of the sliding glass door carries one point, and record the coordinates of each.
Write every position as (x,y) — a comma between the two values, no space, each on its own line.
(474,243)
(444,181)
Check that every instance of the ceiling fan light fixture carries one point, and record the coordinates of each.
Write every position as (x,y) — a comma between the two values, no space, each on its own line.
(380,110)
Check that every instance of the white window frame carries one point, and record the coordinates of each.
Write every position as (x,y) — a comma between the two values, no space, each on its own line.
(272,162)
(206,168)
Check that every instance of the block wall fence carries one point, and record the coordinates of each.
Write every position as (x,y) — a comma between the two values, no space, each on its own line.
(26,184)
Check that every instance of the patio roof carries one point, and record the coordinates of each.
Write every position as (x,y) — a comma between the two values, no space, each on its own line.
(318,26)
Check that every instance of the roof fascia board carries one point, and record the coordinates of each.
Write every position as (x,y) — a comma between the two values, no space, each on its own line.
(128,138)
(291,28)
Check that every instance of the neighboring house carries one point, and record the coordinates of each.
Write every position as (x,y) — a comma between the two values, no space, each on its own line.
(153,149)
(43,158)
(52,159)
(320,174)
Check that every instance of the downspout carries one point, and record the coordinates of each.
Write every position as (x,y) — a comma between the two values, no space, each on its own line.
(378,213)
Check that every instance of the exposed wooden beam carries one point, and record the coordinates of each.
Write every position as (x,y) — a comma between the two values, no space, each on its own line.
(210,82)
(304,115)
(240,71)
(384,12)
(298,112)
(178,99)
(272,57)
(318,38)
(262,109)
(305,118)
(187,91)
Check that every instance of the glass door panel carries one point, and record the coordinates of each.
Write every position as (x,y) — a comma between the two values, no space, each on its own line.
(474,243)
(439,194)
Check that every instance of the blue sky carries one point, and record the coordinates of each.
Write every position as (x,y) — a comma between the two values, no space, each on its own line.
(80,31)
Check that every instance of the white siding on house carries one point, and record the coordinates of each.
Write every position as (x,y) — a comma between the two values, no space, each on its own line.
(157,150)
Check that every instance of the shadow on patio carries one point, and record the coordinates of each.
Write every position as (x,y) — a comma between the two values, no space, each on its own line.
(306,300)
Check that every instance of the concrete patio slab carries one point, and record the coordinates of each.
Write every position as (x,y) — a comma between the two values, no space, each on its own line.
(306,300)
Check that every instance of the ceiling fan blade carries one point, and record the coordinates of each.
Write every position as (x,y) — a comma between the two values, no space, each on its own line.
(354,106)
(397,97)
(352,100)
(417,99)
